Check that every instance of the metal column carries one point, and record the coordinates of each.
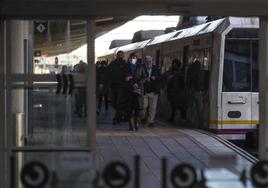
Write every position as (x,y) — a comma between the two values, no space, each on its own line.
(91,86)
(2,103)
(263,85)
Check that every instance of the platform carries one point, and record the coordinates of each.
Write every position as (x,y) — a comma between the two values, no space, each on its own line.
(199,148)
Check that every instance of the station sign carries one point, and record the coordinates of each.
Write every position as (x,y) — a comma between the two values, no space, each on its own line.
(40,27)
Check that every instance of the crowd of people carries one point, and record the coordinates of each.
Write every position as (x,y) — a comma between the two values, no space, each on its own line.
(134,86)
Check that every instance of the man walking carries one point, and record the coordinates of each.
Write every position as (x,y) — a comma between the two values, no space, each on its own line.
(151,89)
(116,75)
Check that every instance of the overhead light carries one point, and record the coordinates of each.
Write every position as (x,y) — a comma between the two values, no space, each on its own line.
(181,9)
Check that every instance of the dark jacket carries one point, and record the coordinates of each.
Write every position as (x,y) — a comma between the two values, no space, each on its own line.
(128,95)
(152,85)
(138,74)
(180,95)
(101,78)
(80,67)
(116,73)
(197,78)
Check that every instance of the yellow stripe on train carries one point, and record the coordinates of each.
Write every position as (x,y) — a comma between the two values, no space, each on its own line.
(234,122)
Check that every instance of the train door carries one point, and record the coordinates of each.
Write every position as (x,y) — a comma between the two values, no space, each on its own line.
(236,95)
(197,80)
(43,135)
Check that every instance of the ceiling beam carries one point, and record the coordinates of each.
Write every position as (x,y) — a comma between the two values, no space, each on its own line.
(86,9)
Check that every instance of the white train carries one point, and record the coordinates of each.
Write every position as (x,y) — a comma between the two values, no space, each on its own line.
(228,51)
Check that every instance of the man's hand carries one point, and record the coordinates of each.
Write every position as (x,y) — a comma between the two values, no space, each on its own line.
(153,77)
(128,78)
(135,86)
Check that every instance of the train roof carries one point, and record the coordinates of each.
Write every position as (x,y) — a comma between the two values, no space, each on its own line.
(109,52)
(188,32)
(199,29)
(161,38)
(234,22)
(133,46)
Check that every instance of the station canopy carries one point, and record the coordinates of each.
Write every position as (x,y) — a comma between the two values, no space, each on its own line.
(65,36)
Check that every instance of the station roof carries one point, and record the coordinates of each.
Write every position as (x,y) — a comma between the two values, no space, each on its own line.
(64,36)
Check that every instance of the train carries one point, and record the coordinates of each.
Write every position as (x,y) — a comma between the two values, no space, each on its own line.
(227,49)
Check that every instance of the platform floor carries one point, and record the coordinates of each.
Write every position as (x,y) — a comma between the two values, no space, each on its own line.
(55,124)
(178,145)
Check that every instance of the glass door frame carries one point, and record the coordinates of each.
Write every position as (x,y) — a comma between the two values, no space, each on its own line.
(6,78)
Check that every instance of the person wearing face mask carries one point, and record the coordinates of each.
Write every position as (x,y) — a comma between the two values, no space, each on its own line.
(137,73)
(131,92)
(116,76)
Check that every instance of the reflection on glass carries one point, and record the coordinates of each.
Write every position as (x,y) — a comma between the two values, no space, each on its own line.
(47,111)
(53,115)
(52,119)
(65,169)
(58,46)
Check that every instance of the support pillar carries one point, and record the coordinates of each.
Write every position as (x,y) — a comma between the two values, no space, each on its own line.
(91,86)
(263,88)
(2,105)
(16,33)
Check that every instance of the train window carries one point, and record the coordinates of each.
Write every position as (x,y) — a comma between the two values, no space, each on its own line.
(203,56)
(236,77)
(206,60)
(237,62)
(244,33)
(204,28)
(177,34)
(228,76)
(196,55)
(242,44)
(242,76)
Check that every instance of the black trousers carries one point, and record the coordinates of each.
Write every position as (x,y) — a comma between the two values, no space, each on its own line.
(81,101)
(100,99)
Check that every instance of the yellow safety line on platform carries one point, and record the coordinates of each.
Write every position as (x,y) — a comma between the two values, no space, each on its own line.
(234,122)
